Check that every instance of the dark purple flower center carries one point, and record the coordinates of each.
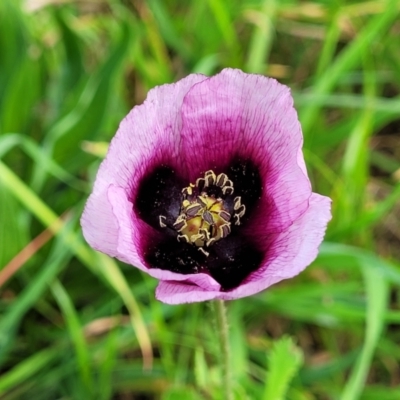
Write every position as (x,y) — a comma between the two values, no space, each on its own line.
(201,226)
(205,216)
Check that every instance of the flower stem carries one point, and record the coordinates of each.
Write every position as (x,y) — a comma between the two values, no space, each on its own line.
(222,331)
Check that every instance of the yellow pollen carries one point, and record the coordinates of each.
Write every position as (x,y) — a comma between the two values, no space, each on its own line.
(204,225)
(203,219)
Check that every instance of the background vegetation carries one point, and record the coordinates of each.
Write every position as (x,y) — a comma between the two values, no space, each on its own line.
(75,324)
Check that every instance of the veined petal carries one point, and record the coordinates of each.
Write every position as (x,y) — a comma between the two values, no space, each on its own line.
(130,230)
(241,128)
(294,250)
(148,136)
(290,251)
(252,118)
(180,292)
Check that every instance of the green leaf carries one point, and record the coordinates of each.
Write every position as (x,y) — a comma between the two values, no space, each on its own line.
(284,361)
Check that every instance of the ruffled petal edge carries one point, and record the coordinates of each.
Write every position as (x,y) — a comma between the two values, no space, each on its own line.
(305,235)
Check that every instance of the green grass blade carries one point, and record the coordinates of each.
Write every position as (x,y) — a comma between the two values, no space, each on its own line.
(200,368)
(355,160)
(330,42)
(13,233)
(262,38)
(348,58)
(76,333)
(41,158)
(10,321)
(87,116)
(105,384)
(74,68)
(237,338)
(168,31)
(336,254)
(96,262)
(27,369)
(377,290)
(223,18)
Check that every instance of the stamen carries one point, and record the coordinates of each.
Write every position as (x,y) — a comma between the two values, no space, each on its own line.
(206,253)
(228,183)
(227,190)
(225,230)
(205,233)
(208,218)
(225,215)
(161,219)
(183,238)
(236,202)
(180,223)
(209,178)
(193,209)
(187,191)
(241,210)
(203,218)
(200,183)
(211,241)
(221,180)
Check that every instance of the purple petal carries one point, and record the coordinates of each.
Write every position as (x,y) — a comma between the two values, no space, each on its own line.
(250,117)
(129,227)
(292,251)
(129,236)
(193,126)
(149,135)
(178,293)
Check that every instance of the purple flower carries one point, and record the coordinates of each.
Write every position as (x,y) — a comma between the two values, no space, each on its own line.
(204,187)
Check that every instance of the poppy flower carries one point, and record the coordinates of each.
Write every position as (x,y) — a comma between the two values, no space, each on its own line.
(204,187)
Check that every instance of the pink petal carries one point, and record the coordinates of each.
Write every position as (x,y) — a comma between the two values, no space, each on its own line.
(292,251)
(149,135)
(179,293)
(130,229)
(199,124)
(250,117)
